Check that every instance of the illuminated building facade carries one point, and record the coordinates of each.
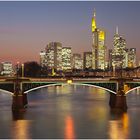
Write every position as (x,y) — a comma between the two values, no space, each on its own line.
(98,46)
(54,55)
(43,59)
(110,58)
(6,68)
(87,60)
(66,58)
(77,61)
(119,51)
(132,57)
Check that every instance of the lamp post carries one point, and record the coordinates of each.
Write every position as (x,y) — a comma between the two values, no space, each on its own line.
(22,67)
(17,69)
(114,70)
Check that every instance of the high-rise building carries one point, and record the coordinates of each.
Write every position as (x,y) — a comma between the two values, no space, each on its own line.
(54,55)
(98,46)
(132,57)
(126,58)
(66,58)
(43,59)
(110,58)
(87,60)
(6,68)
(119,51)
(77,61)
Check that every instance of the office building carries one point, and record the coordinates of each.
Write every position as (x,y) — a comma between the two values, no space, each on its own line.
(66,58)
(119,51)
(110,58)
(54,55)
(77,61)
(7,69)
(87,60)
(43,59)
(98,46)
(132,57)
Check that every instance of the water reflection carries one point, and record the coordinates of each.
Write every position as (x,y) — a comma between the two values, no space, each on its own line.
(20,129)
(119,127)
(70,112)
(69,128)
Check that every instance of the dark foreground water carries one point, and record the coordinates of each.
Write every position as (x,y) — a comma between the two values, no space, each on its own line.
(70,112)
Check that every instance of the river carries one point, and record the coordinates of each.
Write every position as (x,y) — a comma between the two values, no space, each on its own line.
(70,111)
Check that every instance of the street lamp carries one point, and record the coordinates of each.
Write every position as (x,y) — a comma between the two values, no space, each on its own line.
(113,69)
(22,68)
(17,69)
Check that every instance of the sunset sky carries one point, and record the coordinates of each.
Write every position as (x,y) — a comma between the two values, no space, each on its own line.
(26,27)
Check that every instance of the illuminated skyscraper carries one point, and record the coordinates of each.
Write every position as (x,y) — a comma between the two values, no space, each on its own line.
(87,62)
(6,68)
(110,58)
(132,57)
(119,51)
(77,61)
(98,46)
(43,59)
(54,55)
(66,58)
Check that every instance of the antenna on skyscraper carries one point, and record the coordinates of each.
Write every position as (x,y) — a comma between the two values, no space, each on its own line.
(117,30)
(94,13)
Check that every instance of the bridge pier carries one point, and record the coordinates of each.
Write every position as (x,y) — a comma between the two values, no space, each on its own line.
(118,101)
(19,98)
(121,102)
(19,102)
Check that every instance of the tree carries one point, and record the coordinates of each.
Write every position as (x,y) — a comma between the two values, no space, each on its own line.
(32,69)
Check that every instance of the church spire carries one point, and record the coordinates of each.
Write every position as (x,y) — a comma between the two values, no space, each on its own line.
(94,21)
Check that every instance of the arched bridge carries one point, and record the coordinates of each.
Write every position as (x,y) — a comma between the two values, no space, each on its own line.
(18,87)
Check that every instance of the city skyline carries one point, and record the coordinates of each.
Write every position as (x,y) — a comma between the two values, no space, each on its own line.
(27,27)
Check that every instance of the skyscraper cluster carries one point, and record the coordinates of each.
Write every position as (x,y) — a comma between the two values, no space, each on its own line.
(120,56)
(61,58)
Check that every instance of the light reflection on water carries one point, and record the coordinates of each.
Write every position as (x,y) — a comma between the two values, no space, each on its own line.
(70,112)
(119,128)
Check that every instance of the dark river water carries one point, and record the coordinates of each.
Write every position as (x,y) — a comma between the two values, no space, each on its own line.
(70,112)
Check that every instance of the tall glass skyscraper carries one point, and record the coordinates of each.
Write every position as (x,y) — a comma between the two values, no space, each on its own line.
(132,57)
(98,46)
(119,51)
(87,60)
(77,61)
(54,55)
(43,59)
(66,58)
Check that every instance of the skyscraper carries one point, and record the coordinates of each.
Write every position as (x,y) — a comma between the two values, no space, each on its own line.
(98,46)
(110,58)
(132,57)
(119,51)
(87,60)
(66,58)
(54,55)
(77,61)
(43,59)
